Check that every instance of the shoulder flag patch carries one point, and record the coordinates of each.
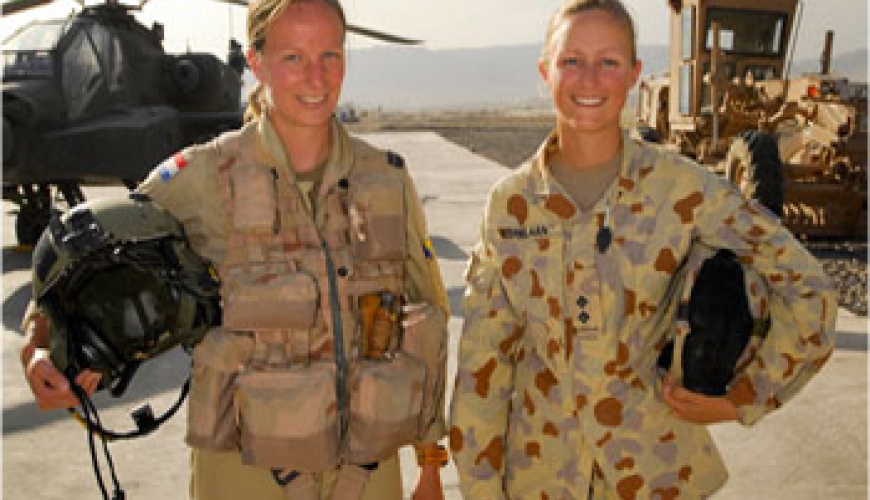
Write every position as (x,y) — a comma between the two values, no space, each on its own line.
(171,166)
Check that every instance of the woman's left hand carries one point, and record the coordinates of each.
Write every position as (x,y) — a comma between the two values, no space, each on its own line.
(697,408)
(429,484)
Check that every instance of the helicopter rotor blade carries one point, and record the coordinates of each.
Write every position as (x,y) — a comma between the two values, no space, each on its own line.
(242,3)
(358,30)
(12,6)
(380,35)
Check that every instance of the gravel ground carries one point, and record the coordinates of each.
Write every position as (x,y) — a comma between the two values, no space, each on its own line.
(511,140)
(846,263)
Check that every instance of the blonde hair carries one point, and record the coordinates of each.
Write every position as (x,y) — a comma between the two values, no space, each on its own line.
(572,7)
(261,13)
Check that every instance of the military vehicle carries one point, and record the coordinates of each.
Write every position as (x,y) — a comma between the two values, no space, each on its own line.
(798,145)
(94,99)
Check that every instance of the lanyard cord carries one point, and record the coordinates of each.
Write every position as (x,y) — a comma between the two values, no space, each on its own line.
(90,418)
(92,421)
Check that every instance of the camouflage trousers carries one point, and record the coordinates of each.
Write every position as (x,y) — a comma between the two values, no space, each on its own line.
(222,476)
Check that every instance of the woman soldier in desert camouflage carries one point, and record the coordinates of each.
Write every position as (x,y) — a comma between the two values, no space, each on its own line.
(305,391)
(567,308)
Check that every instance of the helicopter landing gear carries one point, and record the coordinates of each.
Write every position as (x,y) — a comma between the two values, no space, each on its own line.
(36,205)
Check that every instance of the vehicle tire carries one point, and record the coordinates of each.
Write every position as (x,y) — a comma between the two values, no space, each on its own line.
(754,166)
(30,224)
(649,134)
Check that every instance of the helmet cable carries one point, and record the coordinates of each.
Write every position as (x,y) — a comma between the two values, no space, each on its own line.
(91,420)
(145,421)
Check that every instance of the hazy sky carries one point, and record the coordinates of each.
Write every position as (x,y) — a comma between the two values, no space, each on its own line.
(204,25)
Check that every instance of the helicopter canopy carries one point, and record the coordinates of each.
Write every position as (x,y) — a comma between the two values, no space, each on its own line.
(26,53)
(38,35)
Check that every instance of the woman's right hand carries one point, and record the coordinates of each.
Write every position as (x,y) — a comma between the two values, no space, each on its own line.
(50,387)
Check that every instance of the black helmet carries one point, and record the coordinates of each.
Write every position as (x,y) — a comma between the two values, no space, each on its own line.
(721,315)
(120,285)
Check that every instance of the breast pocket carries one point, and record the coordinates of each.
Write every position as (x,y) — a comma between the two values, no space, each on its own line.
(531,268)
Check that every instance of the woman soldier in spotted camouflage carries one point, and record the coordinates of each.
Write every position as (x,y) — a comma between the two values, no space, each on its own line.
(568,302)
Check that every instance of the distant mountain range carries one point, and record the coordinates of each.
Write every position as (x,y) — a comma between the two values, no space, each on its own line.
(402,78)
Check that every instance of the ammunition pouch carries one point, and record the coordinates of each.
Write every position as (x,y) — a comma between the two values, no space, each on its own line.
(426,341)
(289,417)
(211,421)
(286,301)
(385,403)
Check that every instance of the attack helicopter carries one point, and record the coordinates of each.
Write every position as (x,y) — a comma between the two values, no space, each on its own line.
(94,99)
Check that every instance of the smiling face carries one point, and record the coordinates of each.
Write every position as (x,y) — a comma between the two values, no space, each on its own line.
(589,69)
(301,65)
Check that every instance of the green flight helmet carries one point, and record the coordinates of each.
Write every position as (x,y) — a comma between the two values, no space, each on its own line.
(120,285)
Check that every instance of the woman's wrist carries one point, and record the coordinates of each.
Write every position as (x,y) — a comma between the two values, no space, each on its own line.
(36,336)
(35,327)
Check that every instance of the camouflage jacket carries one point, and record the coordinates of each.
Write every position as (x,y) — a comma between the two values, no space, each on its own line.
(557,383)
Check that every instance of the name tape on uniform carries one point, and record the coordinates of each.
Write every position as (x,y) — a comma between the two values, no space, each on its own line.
(521,233)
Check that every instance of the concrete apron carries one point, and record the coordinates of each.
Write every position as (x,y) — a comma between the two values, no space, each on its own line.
(815,447)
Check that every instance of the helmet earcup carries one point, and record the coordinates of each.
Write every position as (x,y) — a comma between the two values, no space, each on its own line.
(96,353)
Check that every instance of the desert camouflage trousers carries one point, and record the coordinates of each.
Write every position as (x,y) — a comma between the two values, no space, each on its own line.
(222,476)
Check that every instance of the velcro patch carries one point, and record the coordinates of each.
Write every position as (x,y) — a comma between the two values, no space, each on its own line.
(171,166)
(395,159)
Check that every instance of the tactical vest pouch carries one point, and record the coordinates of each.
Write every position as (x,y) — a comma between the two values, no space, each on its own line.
(377,217)
(426,341)
(287,300)
(289,418)
(386,398)
(211,422)
(255,193)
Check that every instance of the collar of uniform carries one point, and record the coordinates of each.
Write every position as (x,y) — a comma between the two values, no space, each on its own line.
(271,151)
(340,156)
(544,184)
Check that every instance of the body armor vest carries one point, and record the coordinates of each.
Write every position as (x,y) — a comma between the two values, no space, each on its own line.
(285,379)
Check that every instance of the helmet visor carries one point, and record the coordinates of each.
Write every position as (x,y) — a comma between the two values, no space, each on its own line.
(129,307)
